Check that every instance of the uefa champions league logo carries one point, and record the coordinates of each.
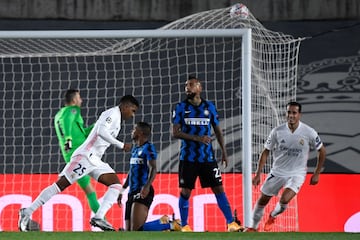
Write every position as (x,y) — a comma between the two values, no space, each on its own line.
(329,90)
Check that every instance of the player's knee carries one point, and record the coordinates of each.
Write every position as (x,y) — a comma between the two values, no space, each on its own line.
(264,200)
(108,179)
(218,189)
(184,195)
(84,182)
(116,186)
(62,183)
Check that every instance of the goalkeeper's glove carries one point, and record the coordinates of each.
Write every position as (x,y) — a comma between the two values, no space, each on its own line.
(68,145)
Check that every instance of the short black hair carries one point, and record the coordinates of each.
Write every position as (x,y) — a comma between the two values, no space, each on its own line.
(294,104)
(129,99)
(145,128)
(69,95)
(192,77)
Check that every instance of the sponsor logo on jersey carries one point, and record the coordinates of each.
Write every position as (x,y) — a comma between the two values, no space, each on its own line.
(294,152)
(197,121)
(136,161)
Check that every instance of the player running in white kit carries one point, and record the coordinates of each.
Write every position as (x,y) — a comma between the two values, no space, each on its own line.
(86,160)
(290,144)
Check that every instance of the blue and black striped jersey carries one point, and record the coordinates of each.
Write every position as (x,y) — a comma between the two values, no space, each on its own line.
(139,170)
(196,120)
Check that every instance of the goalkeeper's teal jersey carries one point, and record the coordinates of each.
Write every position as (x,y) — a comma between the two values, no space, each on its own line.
(69,124)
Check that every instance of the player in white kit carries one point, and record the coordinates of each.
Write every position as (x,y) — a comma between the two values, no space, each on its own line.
(290,144)
(86,160)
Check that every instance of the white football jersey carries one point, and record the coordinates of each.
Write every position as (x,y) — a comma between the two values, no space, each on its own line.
(109,125)
(290,150)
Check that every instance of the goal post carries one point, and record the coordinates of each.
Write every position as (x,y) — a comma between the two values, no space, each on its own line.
(245,34)
(248,71)
(247,129)
(119,34)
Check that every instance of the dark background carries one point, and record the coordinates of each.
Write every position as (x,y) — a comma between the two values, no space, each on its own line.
(329,70)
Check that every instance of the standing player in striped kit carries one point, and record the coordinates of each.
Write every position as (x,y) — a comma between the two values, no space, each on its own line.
(193,119)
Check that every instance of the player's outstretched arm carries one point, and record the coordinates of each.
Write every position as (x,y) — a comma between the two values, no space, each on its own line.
(104,133)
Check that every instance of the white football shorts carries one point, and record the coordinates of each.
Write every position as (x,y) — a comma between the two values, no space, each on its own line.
(81,165)
(273,184)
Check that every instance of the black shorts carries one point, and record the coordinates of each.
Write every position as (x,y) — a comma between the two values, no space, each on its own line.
(135,197)
(208,173)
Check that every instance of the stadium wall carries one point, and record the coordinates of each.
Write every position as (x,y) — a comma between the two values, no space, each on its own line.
(169,10)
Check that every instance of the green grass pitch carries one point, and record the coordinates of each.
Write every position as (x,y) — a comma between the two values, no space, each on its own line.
(174,236)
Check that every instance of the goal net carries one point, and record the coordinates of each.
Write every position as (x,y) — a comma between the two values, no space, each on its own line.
(36,71)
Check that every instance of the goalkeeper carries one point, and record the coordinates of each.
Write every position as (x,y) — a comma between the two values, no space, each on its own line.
(71,133)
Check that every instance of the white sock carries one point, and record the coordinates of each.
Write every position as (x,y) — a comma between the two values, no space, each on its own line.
(257,215)
(279,208)
(43,197)
(109,199)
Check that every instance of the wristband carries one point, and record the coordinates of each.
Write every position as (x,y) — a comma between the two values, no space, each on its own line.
(121,145)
